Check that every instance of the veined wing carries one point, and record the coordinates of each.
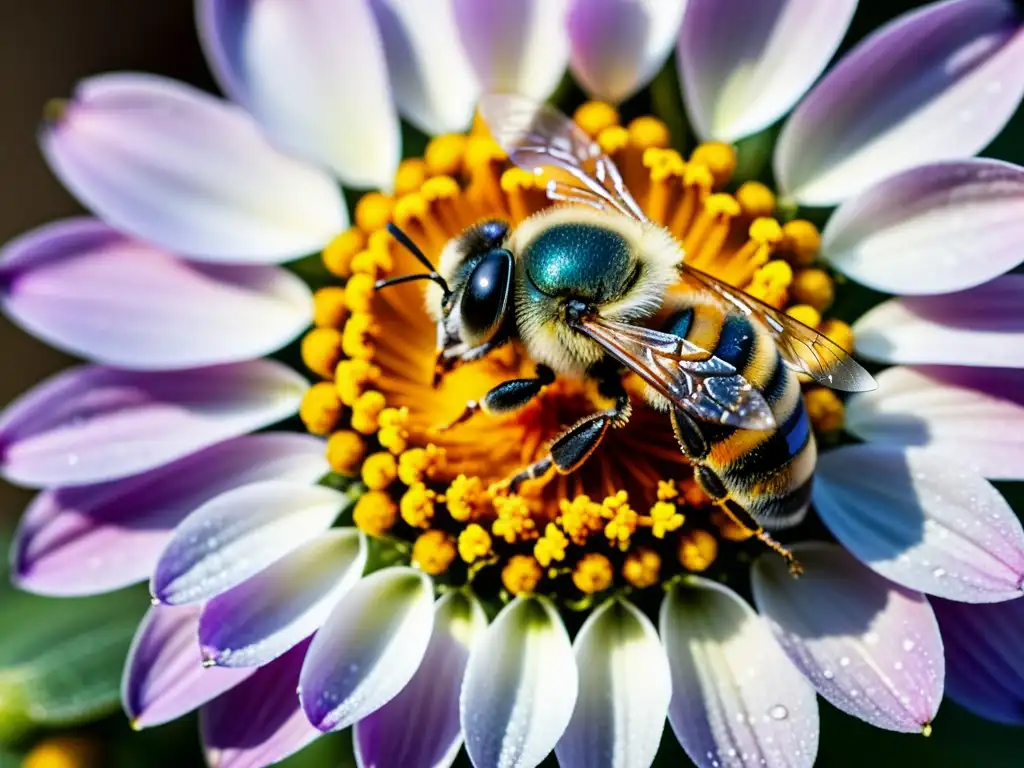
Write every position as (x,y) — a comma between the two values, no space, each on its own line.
(803,349)
(706,387)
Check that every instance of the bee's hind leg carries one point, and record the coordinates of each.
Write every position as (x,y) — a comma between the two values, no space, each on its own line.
(506,397)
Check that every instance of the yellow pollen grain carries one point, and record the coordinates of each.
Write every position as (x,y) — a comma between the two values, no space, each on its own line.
(329,310)
(345,452)
(813,286)
(392,429)
(802,240)
(647,132)
(375,513)
(825,409)
(514,522)
(622,520)
(320,408)
(465,498)
(474,543)
(580,518)
(697,550)
(665,518)
(351,377)
(63,752)
(613,139)
(321,351)
(594,116)
(359,293)
(433,551)
(766,231)
(755,199)
(771,283)
(410,176)
(357,336)
(338,254)
(642,568)
(839,332)
(806,314)
(550,546)
(667,490)
(445,153)
(719,158)
(373,211)
(521,575)
(593,573)
(417,464)
(417,505)
(379,471)
(366,410)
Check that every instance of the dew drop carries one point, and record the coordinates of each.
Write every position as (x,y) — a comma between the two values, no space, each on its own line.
(908,645)
(844,662)
(778,712)
(829,674)
(938,573)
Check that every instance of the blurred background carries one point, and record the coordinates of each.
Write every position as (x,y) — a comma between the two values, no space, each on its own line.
(60,660)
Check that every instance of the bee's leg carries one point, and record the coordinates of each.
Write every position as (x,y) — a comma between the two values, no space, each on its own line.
(506,397)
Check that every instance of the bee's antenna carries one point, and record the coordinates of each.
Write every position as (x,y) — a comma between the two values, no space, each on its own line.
(412,248)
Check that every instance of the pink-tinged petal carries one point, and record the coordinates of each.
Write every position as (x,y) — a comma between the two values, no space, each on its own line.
(923,521)
(744,64)
(430,702)
(85,288)
(433,82)
(982,326)
(313,73)
(737,700)
(973,415)
(624,691)
(91,424)
(177,167)
(369,649)
(98,538)
(258,722)
(618,46)
(937,83)
(870,647)
(520,686)
(239,533)
(515,46)
(164,677)
(984,665)
(932,229)
(257,621)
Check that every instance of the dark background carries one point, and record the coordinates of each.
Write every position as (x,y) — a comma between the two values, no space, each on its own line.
(45,47)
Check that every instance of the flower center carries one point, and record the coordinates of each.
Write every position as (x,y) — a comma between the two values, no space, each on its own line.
(631,515)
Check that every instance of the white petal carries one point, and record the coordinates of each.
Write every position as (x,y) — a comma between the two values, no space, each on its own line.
(932,229)
(974,415)
(744,64)
(434,84)
(618,46)
(981,326)
(313,73)
(923,521)
(870,647)
(737,700)
(239,533)
(170,164)
(515,46)
(624,691)
(369,649)
(520,687)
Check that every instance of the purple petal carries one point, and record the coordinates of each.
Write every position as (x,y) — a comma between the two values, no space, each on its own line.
(744,64)
(981,326)
(164,677)
(165,162)
(938,83)
(870,647)
(255,622)
(260,721)
(736,699)
(923,521)
(98,538)
(92,424)
(369,649)
(88,290)
(618,46)
(984,666)
(314,75)
(239,533)
(420,726)
(973,415)
(932,229)
(519,47)
(434,85)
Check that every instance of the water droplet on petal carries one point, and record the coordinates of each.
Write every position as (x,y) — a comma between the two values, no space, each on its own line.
(908,645)
(844,662)
(778,712)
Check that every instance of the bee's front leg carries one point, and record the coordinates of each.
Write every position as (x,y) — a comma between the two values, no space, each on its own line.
(506,397)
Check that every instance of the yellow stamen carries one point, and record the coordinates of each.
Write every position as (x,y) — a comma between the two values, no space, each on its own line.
(373,211)
(593,573)
(642,568)
(594,116)
(580,517)
(839,332)
(466,498)
(645,132)
(521,574)
(525,192)
(375,513)
(345,452)
(366,410)
(329,310)
(63,752)
(697,550)
(514,522)
(321,351)
(612,140)
(814,287)
(719,158)
(338,254)
(666,169)
(379,471)
(802,240)
(357,336)
(755,199)
(417,505)
(483,160)
(771,283)
(806,314)
(765,235)
(351,378)
(667,490)
(474,543)
(697,183)
(433,552)
(410,176)
(372,262)
(444,154)
(359,293)
(825,409)
(393,433)
(418,464)
(550,546)
(320,408)
(623,520)
(664,519)
(707,235)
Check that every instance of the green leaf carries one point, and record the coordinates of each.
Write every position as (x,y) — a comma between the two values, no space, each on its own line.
(61,659)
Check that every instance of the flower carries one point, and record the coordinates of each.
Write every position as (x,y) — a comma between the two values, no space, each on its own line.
(148,470)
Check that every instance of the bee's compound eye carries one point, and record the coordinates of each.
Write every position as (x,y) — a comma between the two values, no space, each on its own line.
(485,296)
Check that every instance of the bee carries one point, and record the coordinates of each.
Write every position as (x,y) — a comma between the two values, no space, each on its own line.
(592,289)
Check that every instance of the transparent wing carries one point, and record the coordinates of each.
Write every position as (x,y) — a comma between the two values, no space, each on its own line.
(706,387)
(536,136)
(803,349)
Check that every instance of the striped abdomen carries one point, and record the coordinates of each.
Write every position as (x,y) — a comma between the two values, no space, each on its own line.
(768,473)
